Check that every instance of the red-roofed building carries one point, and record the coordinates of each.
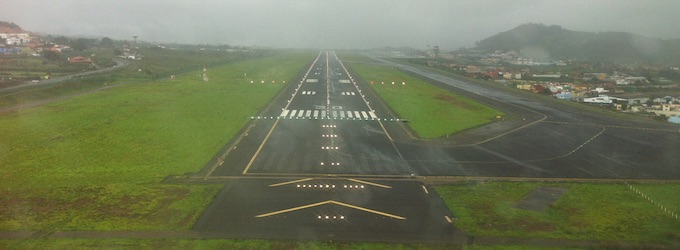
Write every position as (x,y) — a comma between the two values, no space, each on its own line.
(79,59)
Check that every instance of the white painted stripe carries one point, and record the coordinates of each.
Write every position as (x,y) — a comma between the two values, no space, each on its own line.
(309,113)
(343,93)
(349,114)
(372,114)
(335,113)
(342,114)
(363,113)
(323,113)
(316,113)
(301,113)
(285,113)
(352,93)
(356,114)
(293,113)
(313,92)
(425,189)
(304,92)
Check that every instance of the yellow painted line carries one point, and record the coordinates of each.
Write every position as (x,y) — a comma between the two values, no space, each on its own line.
(293,209)
(386,133)
(368,210)
(290,182)
(330,202)
(369,183)
(260,148)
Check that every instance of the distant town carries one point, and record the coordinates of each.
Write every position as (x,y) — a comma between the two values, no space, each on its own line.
(646,89)
(649,90)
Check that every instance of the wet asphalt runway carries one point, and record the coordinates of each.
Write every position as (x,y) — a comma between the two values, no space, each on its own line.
(329,131)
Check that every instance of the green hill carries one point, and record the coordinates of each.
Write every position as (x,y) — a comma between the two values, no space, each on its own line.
(540,41)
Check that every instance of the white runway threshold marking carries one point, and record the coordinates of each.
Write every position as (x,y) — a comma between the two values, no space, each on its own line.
(334,114)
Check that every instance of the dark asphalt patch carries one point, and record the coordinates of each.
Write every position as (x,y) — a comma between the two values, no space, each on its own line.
(541,198)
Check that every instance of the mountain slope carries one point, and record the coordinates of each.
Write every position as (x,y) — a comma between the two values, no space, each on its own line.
(540,41)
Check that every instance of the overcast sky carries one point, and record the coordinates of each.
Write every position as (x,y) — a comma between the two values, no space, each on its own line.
(335,24)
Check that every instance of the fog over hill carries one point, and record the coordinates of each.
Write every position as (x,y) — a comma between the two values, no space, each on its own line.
(543,42)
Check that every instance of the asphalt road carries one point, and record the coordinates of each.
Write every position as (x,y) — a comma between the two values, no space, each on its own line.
(329,130)
(120,63)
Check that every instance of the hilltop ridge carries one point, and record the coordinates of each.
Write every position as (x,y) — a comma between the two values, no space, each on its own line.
(543,42)
(9,27)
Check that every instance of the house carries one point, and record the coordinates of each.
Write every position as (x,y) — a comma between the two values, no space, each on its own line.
(603,99)
(600,90)
(537,88)
(79,59)
(16,38)
(524,86)
(564,96)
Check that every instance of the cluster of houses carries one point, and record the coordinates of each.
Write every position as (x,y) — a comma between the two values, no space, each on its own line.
(15,40)
(589,87)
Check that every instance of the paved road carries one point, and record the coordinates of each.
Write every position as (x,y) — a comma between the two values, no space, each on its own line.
(120,63)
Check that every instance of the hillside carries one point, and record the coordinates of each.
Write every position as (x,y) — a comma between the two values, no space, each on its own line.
(540,41)
(8,27)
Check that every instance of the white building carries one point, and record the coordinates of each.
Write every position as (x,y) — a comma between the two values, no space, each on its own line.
(16,38)
(603,99)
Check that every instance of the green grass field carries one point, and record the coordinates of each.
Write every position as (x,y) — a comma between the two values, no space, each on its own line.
(244,245)
(432,112)
(95,162)
(609,212)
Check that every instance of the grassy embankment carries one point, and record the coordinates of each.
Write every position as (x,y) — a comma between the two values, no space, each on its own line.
(157,64)
(609,212)
(432,112)
(95,162)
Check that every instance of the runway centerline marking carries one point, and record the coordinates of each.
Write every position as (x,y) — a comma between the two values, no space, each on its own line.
(330,202)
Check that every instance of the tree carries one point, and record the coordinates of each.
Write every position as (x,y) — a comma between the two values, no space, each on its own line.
(62,40)
(106,42)
(51,55)
(80,44)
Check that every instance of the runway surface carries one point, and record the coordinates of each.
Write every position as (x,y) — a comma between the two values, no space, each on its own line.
(328,132)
